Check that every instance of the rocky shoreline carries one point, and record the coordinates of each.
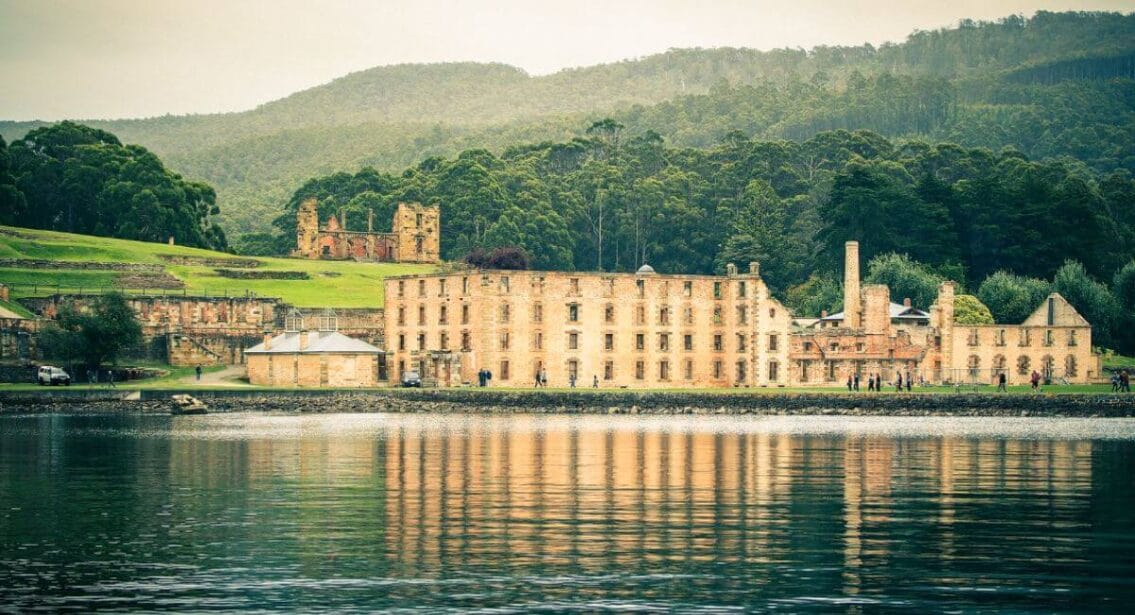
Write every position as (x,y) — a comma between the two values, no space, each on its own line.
(622,402)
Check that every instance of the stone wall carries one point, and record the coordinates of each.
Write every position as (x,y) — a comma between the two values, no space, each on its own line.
(18,340)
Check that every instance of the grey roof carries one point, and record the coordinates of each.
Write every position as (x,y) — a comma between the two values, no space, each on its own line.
(317,342)
(897,310)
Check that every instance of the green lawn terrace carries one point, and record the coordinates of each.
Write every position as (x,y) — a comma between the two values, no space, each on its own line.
(39,263)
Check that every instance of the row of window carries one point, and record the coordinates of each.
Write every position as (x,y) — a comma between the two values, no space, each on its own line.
(573,314)
(1025,338)
(1024,365)
(662,370)
(505,341)
(742,289)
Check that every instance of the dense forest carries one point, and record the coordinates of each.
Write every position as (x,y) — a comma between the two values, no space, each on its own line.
(1053,85)
(78,179)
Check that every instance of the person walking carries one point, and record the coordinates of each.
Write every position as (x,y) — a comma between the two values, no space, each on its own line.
(870,382)
(595,381)
(1035,380)
(571,381)
(1001,383)
(849,382)
(544,377)
(856,382)
(198,370)
(909,382)
(898,382)
(1125,382)
(1114,382)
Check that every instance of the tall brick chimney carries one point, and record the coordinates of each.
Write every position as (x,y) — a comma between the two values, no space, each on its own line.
(303,340)
(852,306)
(267,340)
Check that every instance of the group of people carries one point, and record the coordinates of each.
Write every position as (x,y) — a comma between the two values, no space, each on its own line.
(1120,382)
(483,377)
(875,382)
(542,379)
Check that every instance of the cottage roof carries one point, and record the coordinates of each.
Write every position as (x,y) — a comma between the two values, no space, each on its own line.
(331,342)
(898,311)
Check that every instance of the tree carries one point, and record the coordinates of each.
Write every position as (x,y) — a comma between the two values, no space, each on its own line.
(969,310)
(815,295)
(96,335)
(1011,298)
(906,278)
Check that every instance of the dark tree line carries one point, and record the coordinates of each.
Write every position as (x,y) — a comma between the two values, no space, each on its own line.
(73,178)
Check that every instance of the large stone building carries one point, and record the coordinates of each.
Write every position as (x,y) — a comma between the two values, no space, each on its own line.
(874,336)
(415,236)
(622,330)
(323,357)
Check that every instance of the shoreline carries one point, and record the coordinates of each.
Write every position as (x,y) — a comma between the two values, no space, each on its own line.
(511,401)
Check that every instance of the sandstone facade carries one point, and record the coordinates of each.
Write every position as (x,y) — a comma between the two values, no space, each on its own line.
(415,237)
(313,358)
(624,330)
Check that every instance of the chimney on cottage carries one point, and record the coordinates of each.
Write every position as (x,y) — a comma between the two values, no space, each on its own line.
(852,301)
(823,313)
(267,340)
(303,340)
(754,268)
(906,302)
(731,270)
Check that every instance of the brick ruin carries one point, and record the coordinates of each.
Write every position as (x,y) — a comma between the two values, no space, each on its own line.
(415,237)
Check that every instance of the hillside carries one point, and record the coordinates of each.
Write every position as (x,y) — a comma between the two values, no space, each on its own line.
(1052,85)
(36,263)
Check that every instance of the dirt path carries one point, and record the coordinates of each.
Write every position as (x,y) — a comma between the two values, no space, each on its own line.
(229,376)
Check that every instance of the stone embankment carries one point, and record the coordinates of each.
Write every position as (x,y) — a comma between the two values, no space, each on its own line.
(515,402)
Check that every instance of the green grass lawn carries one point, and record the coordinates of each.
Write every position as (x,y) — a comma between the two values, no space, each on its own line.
(331,283)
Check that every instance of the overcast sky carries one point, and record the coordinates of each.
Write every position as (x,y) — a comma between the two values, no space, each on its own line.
(135,58)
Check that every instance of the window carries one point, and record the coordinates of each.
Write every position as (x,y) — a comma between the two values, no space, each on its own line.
(538,340)
(834,347)
(774,342)
(418,220)
(505,312)
(421,315)
(574,284)
(639,341)
(441,287)
(687,289)
(538,313)
(465,314)
(443,340)
(401,315)
(608,370)
(1023,365)
(641,285)
(974,364)
(401,342)
(663,370)
(639,370)
(772,312)
(443,316)
(741,289)
(504,284)
(740,342)
(717,370)
(609,314)
(464,285)
(1024,341)
(717,290)
(573,369)
(401,288)
(717,314)
(1070,366)
(664,342)
(1048,339)
(972,340)
(807,345)
(858,346)
(773,371)
(421,288)
(573,341)
(504,375)
(742,315)
(640,315)
(689,370)
(421,341)
(465,341)
(688,342)
(504,340)
(664,316)
(1001,337)
(573,312)
(609,288)
(718,344)
(609,341)
(1072,338)
(688,315)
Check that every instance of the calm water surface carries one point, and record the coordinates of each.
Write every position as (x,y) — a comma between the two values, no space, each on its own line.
(373,512)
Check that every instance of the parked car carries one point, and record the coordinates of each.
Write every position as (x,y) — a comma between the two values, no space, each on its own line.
(51,376)
(411,379)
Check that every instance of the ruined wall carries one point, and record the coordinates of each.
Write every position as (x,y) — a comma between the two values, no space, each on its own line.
(18,340)
(418,233)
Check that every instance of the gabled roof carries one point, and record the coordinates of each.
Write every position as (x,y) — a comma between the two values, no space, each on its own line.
(897,311)
(317,342)
(1063,314)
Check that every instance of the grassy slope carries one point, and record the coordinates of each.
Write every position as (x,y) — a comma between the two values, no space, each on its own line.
(332,283)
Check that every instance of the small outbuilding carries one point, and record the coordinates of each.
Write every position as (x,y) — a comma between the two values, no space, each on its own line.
(320,358)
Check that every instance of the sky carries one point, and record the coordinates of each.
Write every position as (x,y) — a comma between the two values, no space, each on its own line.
(103,59)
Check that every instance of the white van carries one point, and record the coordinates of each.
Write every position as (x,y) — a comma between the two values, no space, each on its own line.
(50,376)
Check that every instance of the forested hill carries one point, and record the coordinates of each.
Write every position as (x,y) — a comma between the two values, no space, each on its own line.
(1052,85)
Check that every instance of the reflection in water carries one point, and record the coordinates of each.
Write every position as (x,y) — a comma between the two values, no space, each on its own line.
(335,512)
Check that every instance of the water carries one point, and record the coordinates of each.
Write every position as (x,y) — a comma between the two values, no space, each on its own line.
(505,514)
